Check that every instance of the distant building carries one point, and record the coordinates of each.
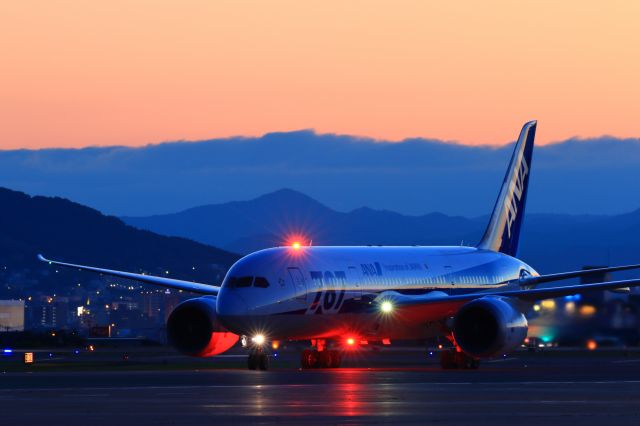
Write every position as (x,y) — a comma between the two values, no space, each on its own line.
(153,305)
(51,312)
(11,315)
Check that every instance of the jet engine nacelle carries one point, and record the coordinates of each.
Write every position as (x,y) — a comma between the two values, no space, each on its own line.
(193,328)
(489,326)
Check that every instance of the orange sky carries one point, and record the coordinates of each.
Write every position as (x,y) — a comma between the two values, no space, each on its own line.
(78,73)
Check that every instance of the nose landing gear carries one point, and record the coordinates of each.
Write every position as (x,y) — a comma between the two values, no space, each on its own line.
(258,360)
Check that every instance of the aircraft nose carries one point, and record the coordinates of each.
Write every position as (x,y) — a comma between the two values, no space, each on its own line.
(231,304)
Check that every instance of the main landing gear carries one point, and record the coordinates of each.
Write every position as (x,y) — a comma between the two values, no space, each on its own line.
(320,356)
(328,358)
(452,359)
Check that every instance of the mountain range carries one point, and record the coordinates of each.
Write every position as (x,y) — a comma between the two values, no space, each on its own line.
(550,242)
(183,243)
(62,229)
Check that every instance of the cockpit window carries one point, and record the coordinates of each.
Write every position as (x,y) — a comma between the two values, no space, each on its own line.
(240,282)
(261,282)
(247,282)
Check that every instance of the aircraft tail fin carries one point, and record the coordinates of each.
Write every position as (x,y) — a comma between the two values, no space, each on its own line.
(503,232)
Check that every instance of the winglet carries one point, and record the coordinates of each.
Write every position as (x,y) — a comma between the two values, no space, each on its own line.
(503,232)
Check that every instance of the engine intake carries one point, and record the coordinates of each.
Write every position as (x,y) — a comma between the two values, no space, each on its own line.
(489,326)
(194,330)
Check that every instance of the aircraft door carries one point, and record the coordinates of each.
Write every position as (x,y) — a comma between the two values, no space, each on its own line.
(354,284)
(299,283)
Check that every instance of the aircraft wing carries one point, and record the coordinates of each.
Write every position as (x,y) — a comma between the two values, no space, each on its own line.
(149,279)
(527,281)
(438,305)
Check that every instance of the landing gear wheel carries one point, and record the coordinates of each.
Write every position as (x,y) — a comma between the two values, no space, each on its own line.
(447,360)
(325,359)
(336,359)
(263,361)
(258,360)
(309,359)
(473,364)
(467,362)
(452,359)
(252,361)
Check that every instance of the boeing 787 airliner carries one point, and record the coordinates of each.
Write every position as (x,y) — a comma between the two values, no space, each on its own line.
(476,297)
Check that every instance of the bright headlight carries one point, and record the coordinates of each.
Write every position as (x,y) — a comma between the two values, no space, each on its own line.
(258,339)
(386,307)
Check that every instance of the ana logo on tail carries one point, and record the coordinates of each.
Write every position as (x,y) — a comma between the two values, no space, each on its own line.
(517,192)
(503,231)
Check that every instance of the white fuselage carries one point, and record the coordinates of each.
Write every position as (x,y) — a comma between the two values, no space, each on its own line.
(328,292)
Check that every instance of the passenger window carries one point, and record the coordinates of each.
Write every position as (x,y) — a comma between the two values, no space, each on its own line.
(244,281)
(261,282)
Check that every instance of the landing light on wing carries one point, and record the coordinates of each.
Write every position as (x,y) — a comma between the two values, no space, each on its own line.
(295,245)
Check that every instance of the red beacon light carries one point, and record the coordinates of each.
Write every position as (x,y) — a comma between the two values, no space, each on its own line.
(351,343)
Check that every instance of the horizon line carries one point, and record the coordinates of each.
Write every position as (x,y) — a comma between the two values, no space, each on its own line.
(356,138)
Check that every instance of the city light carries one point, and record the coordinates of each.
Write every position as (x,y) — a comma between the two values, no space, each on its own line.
(546,338)
(549,304)
(570,307)
(592,345)
(587,310)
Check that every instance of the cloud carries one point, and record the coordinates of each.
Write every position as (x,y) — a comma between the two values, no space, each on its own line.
(414,176)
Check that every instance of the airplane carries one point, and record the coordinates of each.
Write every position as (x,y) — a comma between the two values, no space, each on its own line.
(336,297)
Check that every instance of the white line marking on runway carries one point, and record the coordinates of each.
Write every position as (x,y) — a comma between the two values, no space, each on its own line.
(312,385)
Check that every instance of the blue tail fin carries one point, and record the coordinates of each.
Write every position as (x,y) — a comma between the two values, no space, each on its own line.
(503,231)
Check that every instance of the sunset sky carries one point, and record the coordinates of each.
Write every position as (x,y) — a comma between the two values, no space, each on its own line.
(80,73)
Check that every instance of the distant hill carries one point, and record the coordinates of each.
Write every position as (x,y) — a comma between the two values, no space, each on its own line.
(270,219)
(64,230)
(551,242)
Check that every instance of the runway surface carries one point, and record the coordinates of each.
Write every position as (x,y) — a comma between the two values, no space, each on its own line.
(588,388)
